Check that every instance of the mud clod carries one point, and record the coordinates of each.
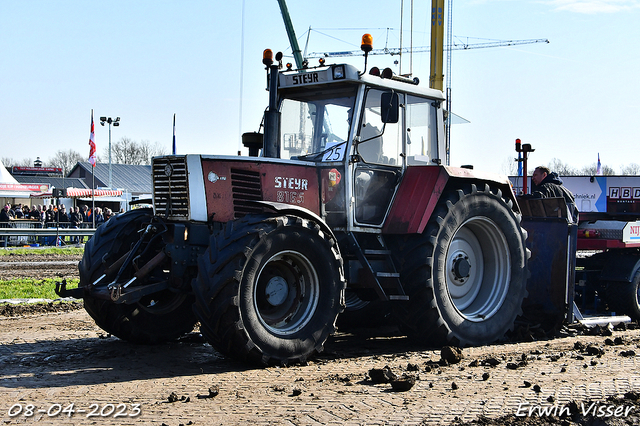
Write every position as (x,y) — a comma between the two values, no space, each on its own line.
(213,392)
(382,375)
(593,350)
(404,383)
(490,362)
(632,395)
(451,354)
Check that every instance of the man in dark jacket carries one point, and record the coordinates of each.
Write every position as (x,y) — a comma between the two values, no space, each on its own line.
(547,184)
(4,217)
(75,219)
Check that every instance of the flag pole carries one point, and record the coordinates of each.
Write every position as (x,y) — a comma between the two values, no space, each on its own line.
(174,134)
(93,198)
(92,161)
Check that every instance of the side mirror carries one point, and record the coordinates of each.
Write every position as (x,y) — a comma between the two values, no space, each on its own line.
(389,107)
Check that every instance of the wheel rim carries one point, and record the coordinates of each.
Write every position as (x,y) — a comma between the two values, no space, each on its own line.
(478,268)
(286,295)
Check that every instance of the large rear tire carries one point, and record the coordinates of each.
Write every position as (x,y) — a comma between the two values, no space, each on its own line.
(269,289)
(466,275)
(159,317)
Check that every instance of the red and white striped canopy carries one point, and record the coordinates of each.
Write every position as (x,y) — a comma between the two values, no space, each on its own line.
(82,193)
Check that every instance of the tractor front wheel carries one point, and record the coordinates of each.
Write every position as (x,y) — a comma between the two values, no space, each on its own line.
(269,289)
(158,317)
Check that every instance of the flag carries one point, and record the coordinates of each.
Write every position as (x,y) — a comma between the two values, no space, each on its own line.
(174,134)
(519,164)
(599,168)
(92,144)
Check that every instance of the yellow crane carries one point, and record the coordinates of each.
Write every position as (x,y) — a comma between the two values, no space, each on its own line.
(436,75)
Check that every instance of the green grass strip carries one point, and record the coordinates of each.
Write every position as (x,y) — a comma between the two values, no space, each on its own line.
(29,288)
(39,251)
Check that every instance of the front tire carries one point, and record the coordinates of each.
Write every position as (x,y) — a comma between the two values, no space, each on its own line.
(156,318)
(466,275)
(269,289)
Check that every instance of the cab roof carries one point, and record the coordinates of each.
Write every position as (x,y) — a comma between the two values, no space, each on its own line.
(345,73)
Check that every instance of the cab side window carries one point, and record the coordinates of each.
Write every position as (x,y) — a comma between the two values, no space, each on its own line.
(379,143)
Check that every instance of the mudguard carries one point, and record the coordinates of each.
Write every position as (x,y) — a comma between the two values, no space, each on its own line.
(421,188)
(298,211)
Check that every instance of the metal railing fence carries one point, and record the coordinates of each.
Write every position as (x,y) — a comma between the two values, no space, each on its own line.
(32,234)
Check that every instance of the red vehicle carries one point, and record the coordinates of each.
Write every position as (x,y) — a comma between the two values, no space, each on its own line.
(609,227)
(343,208)
(607,242)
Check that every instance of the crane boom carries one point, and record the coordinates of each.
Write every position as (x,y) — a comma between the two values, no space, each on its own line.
(297,53)
(455,46)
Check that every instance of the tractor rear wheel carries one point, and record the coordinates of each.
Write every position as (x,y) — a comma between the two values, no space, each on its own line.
(466,275)
(155,318)
(269,289)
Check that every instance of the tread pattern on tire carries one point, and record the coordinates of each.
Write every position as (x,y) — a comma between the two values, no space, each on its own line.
(128,322)
(420,317)
(217,288)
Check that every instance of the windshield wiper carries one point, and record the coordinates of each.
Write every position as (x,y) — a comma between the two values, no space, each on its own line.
(320,154)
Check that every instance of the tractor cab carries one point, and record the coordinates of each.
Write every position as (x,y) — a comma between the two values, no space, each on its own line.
(361,130)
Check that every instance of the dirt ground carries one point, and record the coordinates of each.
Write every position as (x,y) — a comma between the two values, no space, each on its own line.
(38,265)
(58,368)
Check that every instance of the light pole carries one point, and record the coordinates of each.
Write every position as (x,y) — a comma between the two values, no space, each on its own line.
(116,123)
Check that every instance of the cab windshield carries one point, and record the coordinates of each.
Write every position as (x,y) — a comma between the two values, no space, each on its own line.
(315,125)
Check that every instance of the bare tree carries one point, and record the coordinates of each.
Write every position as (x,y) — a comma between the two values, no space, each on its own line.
(7,161)
(593,168)
(152,150)
(510,166)
(561,168)
(631,169)
(66,160)
(127,151)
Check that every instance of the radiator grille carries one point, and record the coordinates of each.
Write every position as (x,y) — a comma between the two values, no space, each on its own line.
(171,193)
(245,187)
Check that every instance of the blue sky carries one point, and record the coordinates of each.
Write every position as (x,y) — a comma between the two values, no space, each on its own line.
(146,60)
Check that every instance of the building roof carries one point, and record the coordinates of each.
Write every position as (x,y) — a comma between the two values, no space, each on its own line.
(57,182)
(131,178)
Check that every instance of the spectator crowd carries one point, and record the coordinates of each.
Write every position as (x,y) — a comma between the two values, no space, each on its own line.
(55,216)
